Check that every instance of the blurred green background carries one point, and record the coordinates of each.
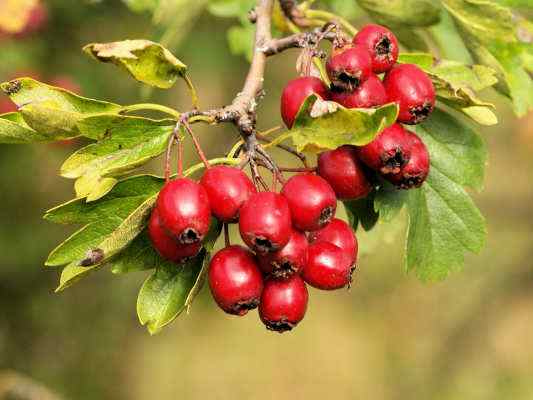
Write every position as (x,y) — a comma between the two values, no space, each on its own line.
(389,337)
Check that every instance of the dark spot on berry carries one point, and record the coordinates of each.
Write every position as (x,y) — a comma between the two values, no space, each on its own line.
(412,181)
(345,82)
(326,215)
(421,113)
(189,236)
(393,161)
(350,279)
(383,48)
(283,270)
(263,245)
(242,307)
(279,326)
(12,87)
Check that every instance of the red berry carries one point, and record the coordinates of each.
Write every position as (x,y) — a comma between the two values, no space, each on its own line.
(411,88)
(311,200)
(414,173)
(228,189)
(381,44)
(340,234)
(328,267)
(348,68)
(37,20)
(296,92)
(235,280)
(167,247)
(265,222)
(370,93)
(283,303)
(388,152)
(343,171)
(7,106)
(184,210)
(288,261)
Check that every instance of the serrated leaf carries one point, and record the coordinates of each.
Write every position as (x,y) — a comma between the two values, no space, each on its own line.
(389,202)
(444,224)
(128,143)
(327,125)
(163,295)
(103,239)
(402,12)
(14,130)
(362,213)
(146,61)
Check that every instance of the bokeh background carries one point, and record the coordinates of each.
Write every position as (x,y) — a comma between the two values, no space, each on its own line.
(390,337)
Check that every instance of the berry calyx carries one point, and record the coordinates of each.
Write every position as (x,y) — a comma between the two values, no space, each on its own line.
(381,44)
(283,303)
(411,88)
(414,173)
(228,188)
(388,152)
(348,68)
(312,201)
(166,246)
(345,174)
(288,261)
(328,267)
(265,222)
(296,92)
(340,234)
(184,210)
(370,93)
(235,280)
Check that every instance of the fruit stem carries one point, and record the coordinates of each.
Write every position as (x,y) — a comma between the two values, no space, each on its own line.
(214,161)
(226,235)
(180,157)
(195,141)
(284,147)
(150,107)
(284,169)
(168,155)
(192,91)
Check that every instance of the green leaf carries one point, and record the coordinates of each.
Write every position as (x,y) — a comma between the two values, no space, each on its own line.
(444,223)
(230,8)
(327,125)
(163,295)
(128,143)
(362,212)
(241,40)
(389,202)
(172,289)
(402,12)
(146,61)
(142,5)
(14,130)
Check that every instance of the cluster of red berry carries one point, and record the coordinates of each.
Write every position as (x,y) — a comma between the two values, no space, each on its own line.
(293,237)
(397,154)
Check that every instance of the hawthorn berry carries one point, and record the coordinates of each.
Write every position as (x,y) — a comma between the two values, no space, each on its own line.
(344,172)
(349,67)
(311,199)
(288,261)
(381,44)
(296,92)
(37,20)
(412,89)
(184,210)
(228,188)
(340,234)
(370,93)
(414,173)
(166,246)
(328,267)
(235,280)
(265,222)
(283,303)
(388,152)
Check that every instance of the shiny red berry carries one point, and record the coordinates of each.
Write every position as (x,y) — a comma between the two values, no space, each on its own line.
(228,188)
(166,246)
(283,303)
(370,93)
(328,267)
(288,261)
(340,234)
(235,280)
(388,152)
(345,174)
(414,173)
(265,222)
(184,210)
(312,201)
(412,89)
(381,44)
(296,92)
(348,68)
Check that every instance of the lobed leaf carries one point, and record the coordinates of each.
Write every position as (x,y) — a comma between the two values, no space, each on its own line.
(402,12)
(327,125)
(146,61)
